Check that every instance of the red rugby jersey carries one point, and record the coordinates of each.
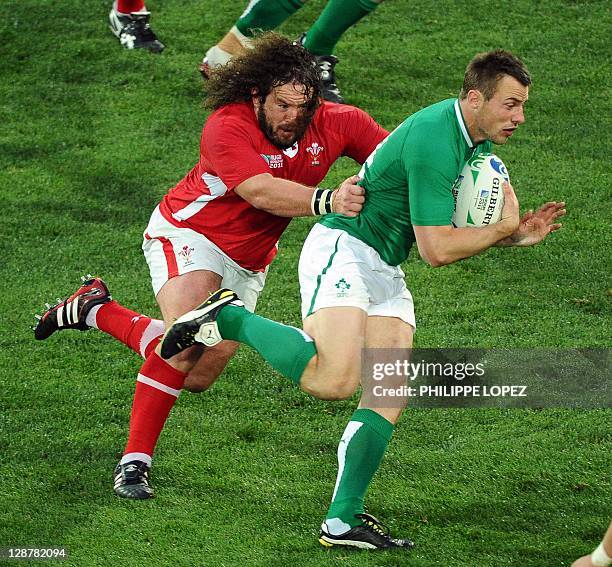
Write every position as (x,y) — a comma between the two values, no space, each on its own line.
(233,148)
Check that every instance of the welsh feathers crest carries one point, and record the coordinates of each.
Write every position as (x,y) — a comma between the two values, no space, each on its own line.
(315,149)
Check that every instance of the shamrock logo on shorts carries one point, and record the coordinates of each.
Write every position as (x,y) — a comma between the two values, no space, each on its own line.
(342,286)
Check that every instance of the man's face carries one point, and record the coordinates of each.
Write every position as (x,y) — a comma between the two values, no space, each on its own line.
(284,114)
(496,119)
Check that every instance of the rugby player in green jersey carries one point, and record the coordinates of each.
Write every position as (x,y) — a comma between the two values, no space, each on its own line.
(353,290)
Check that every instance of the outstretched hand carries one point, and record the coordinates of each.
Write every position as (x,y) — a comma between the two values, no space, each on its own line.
(535,227)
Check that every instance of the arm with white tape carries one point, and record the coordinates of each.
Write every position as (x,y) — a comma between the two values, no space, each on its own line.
(286,198)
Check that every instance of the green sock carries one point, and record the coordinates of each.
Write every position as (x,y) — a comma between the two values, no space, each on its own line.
(360,452)
(287,349)
(266,15)
(336,18)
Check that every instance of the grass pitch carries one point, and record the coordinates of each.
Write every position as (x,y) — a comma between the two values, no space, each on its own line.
(92,136)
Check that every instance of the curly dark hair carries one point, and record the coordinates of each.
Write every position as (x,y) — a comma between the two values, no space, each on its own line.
(273,61)
(486,69)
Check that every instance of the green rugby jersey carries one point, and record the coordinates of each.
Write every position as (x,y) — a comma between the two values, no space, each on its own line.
(408,180)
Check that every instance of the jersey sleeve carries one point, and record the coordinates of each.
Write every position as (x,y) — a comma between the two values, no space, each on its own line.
(430,169)
(361,133)
(228,147)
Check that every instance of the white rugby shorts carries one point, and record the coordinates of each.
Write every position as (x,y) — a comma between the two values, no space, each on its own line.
(171,251)
(338,270)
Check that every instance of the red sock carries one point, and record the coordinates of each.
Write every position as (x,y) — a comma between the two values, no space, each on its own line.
(139,332)
(129,6)
(157,388)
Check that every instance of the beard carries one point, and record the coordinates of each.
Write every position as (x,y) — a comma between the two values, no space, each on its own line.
(300,127)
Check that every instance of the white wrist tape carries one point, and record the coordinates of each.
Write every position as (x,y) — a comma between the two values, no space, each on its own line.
(321,203)
(600,558)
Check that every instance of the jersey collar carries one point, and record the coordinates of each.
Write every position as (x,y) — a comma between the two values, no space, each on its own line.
(462,126)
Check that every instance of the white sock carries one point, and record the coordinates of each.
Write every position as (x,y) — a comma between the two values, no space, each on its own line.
(217,57)
(335,526)
(90,320)
(243,39)
(136,457)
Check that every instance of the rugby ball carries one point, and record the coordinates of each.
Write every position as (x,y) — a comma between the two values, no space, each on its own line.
(478,191)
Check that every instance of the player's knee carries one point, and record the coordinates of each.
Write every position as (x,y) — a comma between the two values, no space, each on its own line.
(345,389)
(338,394)
(339,388)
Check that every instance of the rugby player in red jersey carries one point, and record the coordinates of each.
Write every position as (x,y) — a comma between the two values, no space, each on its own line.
(265,148)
